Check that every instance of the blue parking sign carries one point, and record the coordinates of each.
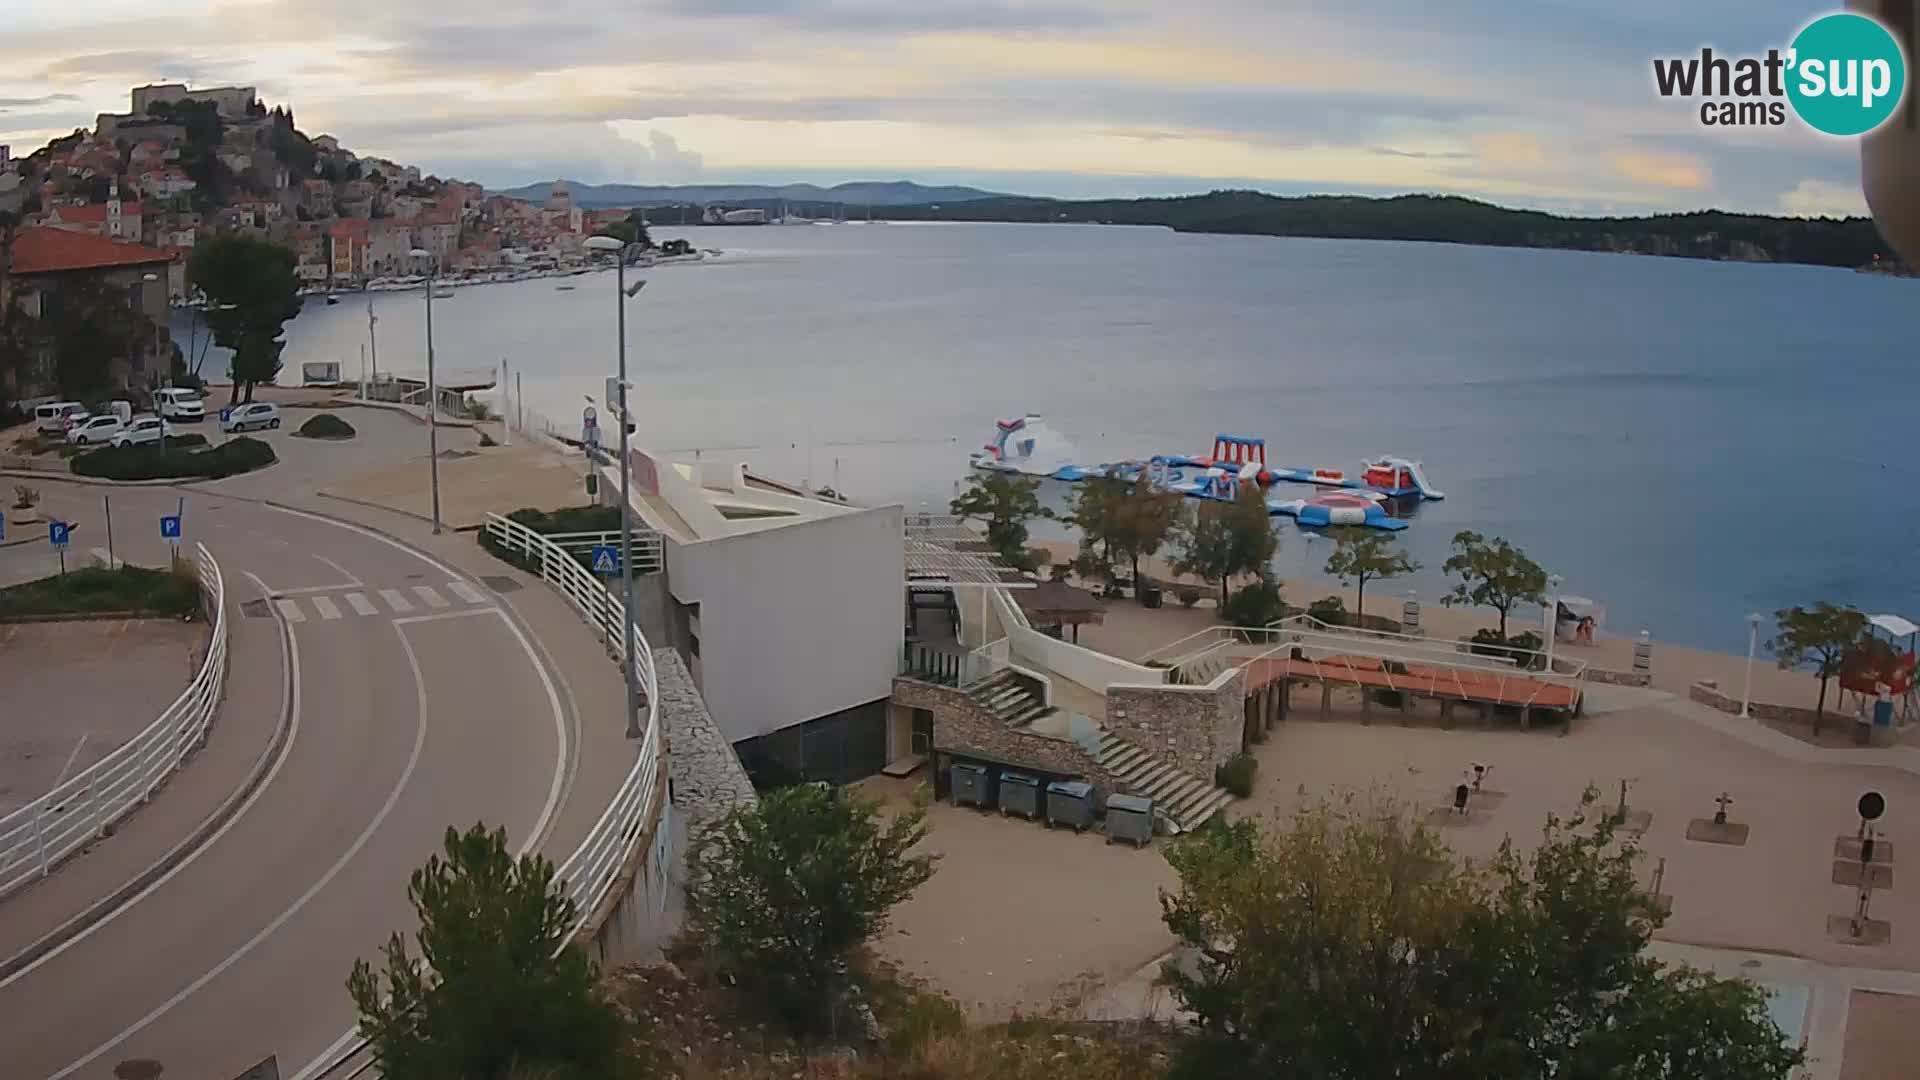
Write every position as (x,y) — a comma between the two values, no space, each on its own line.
(170,527)
(57,533)
(606,559)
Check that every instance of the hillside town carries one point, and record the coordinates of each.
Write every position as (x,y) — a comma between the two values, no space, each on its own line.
(183,164)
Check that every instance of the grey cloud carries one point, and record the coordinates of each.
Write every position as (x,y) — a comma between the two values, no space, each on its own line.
(138,65)
(31,102)
(901,15)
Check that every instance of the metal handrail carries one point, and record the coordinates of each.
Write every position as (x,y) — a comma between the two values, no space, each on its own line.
(589,874)
(80,809)
(649,551)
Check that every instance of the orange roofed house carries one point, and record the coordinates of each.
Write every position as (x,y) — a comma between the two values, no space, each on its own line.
(41,261)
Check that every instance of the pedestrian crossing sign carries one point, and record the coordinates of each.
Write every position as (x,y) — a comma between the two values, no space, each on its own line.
(606,559)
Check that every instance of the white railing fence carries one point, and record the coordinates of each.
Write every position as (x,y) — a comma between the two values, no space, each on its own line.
(81,808)
(589,874)
(649,556)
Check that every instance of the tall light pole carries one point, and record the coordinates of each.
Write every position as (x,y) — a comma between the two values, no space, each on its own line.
(433,392)
(1753,642)
(621,295)
(1553,615)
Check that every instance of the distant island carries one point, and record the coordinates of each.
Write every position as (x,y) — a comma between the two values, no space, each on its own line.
(1704,234)
(858,193)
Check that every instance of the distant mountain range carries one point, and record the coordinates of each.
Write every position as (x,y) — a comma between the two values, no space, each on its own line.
(854,193)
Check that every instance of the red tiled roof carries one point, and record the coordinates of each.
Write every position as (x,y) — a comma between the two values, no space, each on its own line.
(47,251)
(95,213)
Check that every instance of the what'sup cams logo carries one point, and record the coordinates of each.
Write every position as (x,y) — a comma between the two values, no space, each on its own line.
(1844,74)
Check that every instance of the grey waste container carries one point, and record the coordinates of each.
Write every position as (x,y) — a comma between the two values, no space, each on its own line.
(1070,803)
(1130,817)
(1019,794)
(972,784)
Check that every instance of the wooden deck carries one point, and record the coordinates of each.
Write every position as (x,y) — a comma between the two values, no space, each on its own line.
(1442,683)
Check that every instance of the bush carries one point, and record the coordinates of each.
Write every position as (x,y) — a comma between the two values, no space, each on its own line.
(326,426)
(569,519)
(97,589)
(1255,605)
(1523,648)
(176,462)
(1188,595)
(24,497)
(1236,775)
(1330,610)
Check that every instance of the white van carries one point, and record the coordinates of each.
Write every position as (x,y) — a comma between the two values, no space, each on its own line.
(55,417)
(179,405)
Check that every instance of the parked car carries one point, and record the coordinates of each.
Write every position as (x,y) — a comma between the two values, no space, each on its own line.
(180,405)
(55,417)
(143,431)
(260,414)
(95,430)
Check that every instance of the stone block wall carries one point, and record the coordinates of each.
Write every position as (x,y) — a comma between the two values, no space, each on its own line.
(1622,678)
(1193,727)
(961,726)
(1707,692)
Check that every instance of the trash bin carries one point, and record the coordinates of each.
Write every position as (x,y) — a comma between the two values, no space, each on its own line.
(1019,794)
(1150,595)
(1070,803)
(972,784)
(1130,817)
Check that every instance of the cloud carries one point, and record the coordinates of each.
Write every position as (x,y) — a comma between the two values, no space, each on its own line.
(890,16)
(1823,198)
(1663,170)
(29,102)
(136,65)
(1504,151)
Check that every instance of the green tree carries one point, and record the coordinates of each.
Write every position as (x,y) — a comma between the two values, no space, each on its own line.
(252,290)
(1493,573)
(782,892)
(1350,943)
(498,986)
(1363,555)
(1222,540)
(1006,503)
(90,327)
(1821,635)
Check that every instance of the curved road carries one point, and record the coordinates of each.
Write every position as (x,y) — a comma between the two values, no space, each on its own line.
(416,701)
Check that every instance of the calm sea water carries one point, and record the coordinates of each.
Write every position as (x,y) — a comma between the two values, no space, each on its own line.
(1683,441)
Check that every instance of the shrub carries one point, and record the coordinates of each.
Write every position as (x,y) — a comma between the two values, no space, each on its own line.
(1330,610)
(326,426)
(1188,595)
(1236,774)
(474,408)
(1255,605)
(24,497)
(97,589)
(487,440)
(176,462)
(569,519)
(1523,648)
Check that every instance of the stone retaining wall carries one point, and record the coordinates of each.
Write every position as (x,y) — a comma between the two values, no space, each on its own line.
(1193,727)
(1622,678)
(961,726)
(1707,692)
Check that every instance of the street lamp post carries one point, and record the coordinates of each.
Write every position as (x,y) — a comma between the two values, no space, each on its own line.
(621,295)
(1753,642)
(433,392)
(1553,615)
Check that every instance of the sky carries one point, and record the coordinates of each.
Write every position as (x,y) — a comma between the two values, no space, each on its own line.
(1540,103)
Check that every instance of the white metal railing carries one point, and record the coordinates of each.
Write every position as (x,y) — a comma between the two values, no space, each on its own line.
(587,875)
(985,662)
(649,555)
(81,808)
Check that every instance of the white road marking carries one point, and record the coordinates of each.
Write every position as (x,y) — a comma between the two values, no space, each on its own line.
(68,767)
(361,605)
(466,592)
(344,572)
(393,797)
(290,611)
(445,615)
(325,607)
(431,598)
(395,600)
(290,652)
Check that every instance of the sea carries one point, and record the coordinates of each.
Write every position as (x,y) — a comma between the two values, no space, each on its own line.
(1682,441)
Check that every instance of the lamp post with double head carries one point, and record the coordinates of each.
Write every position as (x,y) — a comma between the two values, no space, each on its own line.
(622,294)
(433,392)
(1753,642)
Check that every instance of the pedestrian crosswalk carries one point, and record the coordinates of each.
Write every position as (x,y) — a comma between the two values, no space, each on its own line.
(326,608)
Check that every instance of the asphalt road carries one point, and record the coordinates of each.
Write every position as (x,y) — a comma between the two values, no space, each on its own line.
(417,702)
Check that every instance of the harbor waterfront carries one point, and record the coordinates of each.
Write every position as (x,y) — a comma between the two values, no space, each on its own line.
(1684,441)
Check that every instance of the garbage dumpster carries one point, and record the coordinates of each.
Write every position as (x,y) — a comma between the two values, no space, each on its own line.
(1019,794)
(1070,803)
(972,784)
(1130,817)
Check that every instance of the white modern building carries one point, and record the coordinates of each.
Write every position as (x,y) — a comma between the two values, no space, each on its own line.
(786,605)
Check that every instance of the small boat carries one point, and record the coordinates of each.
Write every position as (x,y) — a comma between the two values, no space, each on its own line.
(564,288)
(442,293)
(332,299)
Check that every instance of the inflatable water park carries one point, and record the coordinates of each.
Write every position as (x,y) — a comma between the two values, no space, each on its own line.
(1029,447)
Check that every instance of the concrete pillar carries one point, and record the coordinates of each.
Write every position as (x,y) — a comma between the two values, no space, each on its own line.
(1366,706)
(1286,700)
(1643,653)
(1326,700)
(1446,713)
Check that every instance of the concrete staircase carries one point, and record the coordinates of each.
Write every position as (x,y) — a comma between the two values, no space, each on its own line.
(1183,799)
(1006,696)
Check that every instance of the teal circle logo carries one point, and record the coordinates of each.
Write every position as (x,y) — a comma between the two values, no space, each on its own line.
(1846,74)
